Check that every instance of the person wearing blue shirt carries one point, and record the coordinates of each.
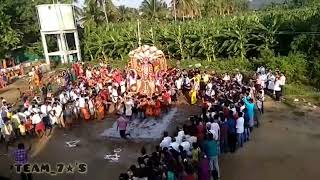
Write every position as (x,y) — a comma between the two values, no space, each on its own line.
(248,102)
(211,150)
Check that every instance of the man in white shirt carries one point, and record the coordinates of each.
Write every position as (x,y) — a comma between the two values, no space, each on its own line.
(58,113)
(277,88)
(43,109)
(165,142)
(1,124)
(178,83)
(209,91)
(226,77)
(282,83)
(240,129)
(264,79)
(174,145)
(35,109)
(62,98)
(114,95)
(186,83)
(82,102)
(239,78)
(35,118)
(73,95)
(88,74)
(186,145)
(45,115)
(215,130)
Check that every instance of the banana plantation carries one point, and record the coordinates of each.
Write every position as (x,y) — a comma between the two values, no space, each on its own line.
(256,37)
(207,39)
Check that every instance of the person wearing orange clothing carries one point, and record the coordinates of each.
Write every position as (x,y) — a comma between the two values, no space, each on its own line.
(100,109)
(85,111)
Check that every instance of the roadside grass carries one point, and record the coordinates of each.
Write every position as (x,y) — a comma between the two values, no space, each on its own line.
(302,93)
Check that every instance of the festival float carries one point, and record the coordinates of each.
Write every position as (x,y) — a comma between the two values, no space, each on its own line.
(149,63)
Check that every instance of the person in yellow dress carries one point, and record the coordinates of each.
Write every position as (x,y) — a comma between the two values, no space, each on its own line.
(197,80)
(193,95)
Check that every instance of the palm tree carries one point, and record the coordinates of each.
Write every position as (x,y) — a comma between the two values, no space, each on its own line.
(153,8)
(187,8)
(127,13)
(97,6)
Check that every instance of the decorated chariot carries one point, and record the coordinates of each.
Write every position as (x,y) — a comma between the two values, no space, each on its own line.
(149,63)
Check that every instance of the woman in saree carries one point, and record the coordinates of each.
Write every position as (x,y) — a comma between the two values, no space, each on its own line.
(85,111)
(2,84)
(100,108)
(193,96)
(36,79)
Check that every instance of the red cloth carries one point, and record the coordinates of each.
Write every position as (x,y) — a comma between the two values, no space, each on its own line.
(104,95)
(166,97)
(200,132)
(40,127)
(117,77)
(189,177)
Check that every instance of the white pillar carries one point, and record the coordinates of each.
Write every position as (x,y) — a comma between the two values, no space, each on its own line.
(60,47)
(77,42)
(64,48)
(45,47)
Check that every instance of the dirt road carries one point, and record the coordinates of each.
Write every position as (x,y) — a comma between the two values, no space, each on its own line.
(285,147)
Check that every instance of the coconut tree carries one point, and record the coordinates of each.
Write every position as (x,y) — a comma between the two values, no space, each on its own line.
(153,8)
(187,8)
(94,8)
(127,13)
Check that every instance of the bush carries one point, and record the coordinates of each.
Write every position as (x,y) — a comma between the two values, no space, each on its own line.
(294,66)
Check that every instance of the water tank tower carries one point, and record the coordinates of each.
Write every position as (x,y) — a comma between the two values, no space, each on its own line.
(59,20)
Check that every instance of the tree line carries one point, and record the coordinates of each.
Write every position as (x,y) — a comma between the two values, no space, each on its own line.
(220,33)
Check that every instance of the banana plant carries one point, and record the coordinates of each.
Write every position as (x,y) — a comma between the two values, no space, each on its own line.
(266,34)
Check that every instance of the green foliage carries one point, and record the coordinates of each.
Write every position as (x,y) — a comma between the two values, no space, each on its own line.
(19,25)
(153,9)
(295,66)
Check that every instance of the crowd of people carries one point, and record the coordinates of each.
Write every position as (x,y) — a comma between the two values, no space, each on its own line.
(84,93)
(230,110)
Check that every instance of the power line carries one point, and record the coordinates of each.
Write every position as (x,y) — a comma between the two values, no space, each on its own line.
(292,32)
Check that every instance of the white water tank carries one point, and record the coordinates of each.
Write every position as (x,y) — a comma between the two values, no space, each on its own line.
(56,17)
